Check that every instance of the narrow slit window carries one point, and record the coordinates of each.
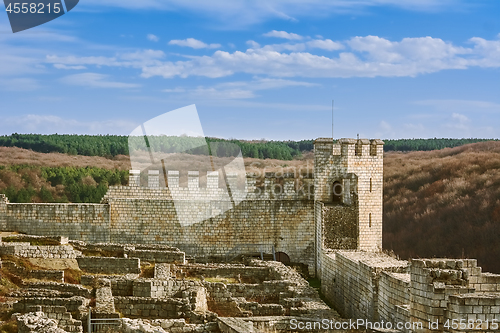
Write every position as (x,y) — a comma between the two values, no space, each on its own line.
(370,220)
(370,184)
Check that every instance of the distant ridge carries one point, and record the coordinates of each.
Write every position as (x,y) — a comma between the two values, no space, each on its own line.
(113,145)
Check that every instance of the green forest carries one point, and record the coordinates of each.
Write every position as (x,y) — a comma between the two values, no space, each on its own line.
(26,183)
(112,145)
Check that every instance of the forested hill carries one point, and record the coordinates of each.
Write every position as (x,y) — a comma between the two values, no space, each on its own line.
(112,145)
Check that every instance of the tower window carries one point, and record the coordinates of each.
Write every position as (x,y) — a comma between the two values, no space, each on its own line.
(370,184)
(370,220)
(337,192)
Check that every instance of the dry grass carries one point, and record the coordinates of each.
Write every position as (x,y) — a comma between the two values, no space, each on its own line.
(444,203)
(72,275)
(19,156)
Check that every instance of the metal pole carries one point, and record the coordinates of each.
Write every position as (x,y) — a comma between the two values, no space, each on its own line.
(332,118)
(89,325)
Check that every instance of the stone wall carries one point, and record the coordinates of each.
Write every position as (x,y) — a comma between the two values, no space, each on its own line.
(75,221)
(244,273)
(74,289)
(444,292)
(481,312)
(158,256)
(351,281)
(340,225)
(103,265)
(394,297)
(120,285)
(25,250)
(139,307)
(271,215)
(145,215)
(3,211)
(73,304)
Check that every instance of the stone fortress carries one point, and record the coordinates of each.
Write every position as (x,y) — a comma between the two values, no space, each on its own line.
(330,222)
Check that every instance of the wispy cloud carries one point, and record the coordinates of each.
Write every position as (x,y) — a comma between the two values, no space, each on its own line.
(236,89)
(193,43)
(460,104)
(152,38)
(95,80)
(283,34)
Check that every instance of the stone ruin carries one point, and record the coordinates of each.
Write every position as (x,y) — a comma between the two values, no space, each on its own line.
(151,288)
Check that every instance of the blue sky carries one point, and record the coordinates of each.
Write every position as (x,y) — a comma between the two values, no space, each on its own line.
(259,69)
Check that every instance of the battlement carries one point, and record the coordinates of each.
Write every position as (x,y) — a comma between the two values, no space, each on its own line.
(350,147)
(272,186)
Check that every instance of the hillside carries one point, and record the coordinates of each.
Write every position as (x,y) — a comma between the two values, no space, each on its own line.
(444,203)
(436,203)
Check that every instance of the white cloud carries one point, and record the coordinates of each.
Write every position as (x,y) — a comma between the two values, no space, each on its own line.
(193,43)
(62,66)
(283,34)
(369,56)
(253,44)
(325,44)
(94,80)
(460,123)
(153,38)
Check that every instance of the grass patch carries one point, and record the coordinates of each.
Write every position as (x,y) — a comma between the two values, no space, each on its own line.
(6,283)
(9,326)
(315,283)
(22,262)
(72,275)
(147,271)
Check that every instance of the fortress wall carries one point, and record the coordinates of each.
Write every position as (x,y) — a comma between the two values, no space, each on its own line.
(147,217)
(350,281)
(394,297)
(318,218)
(150,216)
(481,311)
(88,222)
(3,211)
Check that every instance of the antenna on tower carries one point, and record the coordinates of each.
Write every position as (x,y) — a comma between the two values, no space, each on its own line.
(332,119)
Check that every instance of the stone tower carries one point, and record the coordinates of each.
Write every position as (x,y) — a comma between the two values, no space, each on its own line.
(348,179)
